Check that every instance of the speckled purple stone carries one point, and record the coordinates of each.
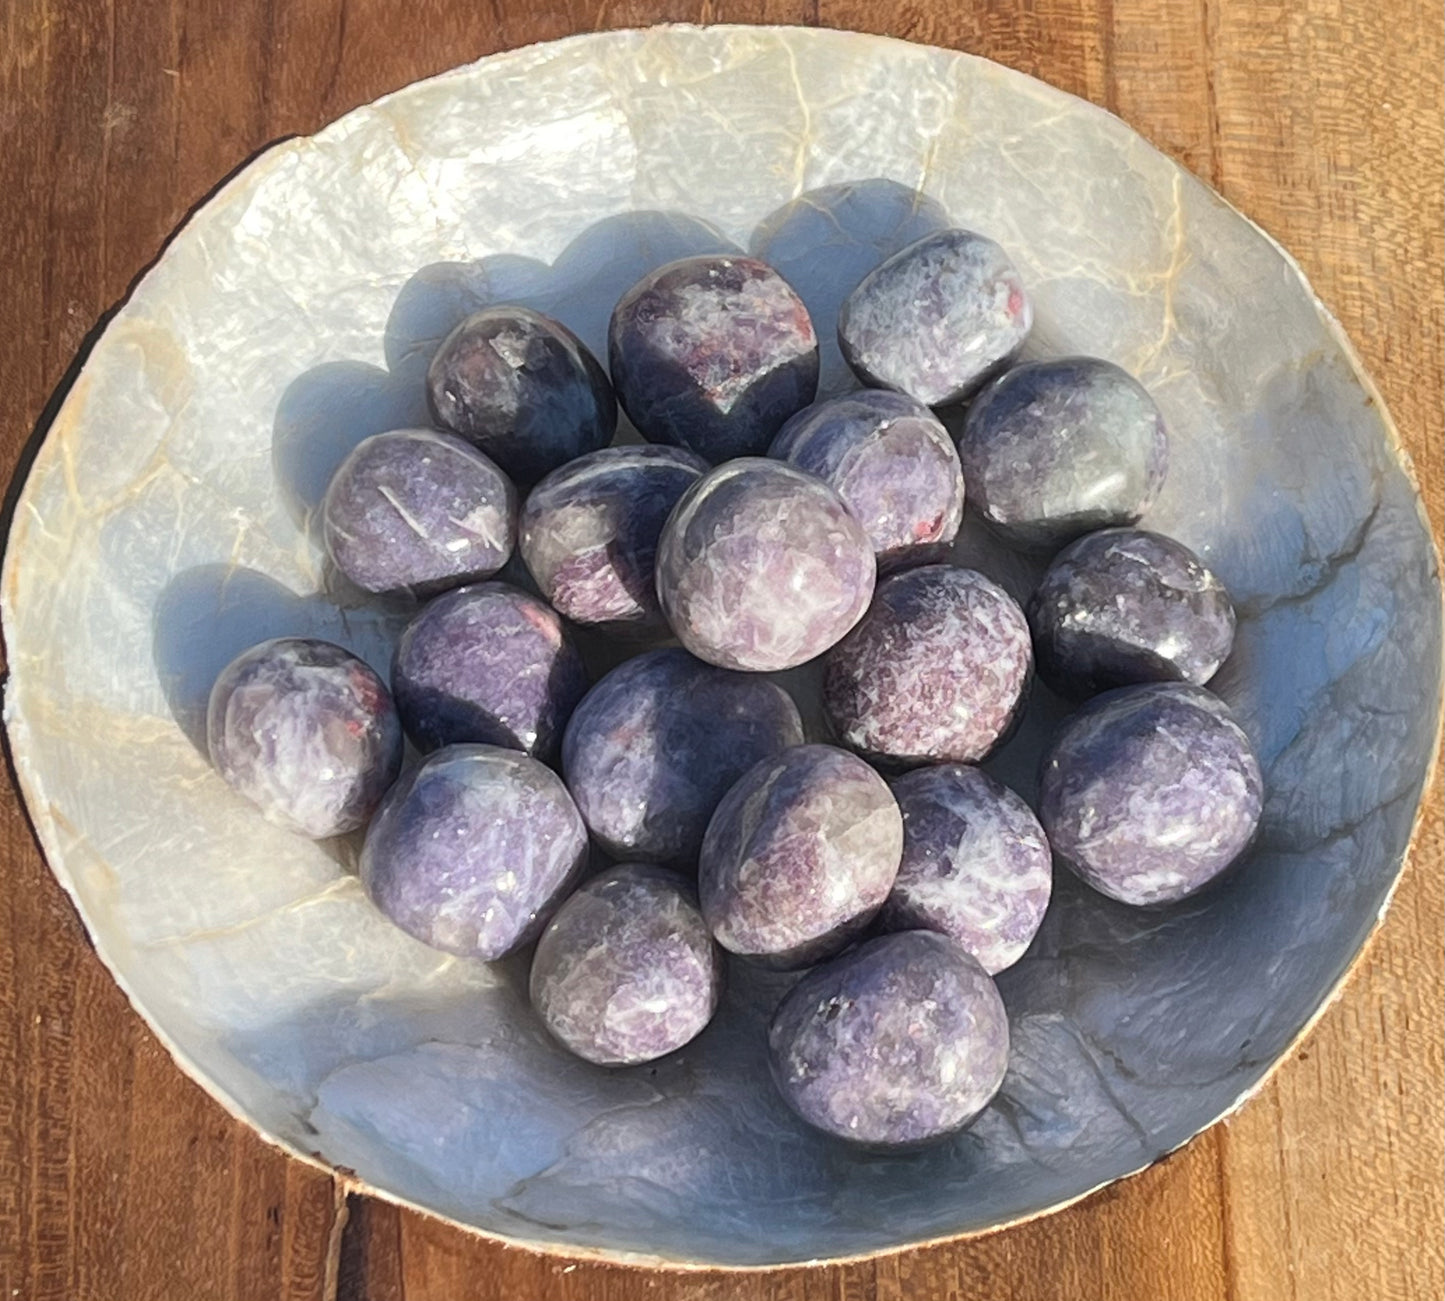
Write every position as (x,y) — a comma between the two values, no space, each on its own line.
(934,673)
(937,318)
(899,1042)
(306,732)
(414,512)
(489,664)
(976,866)
(590,530)
(1150,792)
(471,851)
(1054,449)
(656,743)
(712,353)
(762,566)
(799,856)
(892,462)
(523,388)
(1125,605)
(626,971)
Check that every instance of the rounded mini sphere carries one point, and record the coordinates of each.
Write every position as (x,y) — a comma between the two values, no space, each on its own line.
(523,388)
(487,664)
(799,856)
(1053,449)
(762,566)
(471,851)
(1150,792)
(976,865)
(937,319)
(414,512)
(1123,606)
(935,673)
(656,744)
(589,532)
(306,732)
(899,1042)
(626,971)
(892,462)
(712,353)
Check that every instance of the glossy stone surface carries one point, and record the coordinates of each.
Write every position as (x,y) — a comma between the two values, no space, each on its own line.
(937,318)
(762,567)
(891,461)
(799,856)
(523,388)
(976,865)
(1053,449)
(1150,792)
(1126,605)
(487,664)
(589,532)
(306,732)
(626,972)
(656,743)
(900,1042)
(935,672)
(712,353)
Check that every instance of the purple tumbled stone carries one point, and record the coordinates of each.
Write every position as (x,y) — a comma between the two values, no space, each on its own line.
(656,743)
(799,856)
(937,318)
(626,971)
(1150,792)
(899,1042)
(891,461)
(762,566)
(305,731)
(471,851)
(489,664)
(935,672)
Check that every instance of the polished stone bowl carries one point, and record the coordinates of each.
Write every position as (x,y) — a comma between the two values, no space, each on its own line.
(170,519)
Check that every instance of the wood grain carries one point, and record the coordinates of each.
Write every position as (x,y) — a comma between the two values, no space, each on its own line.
(120,1179)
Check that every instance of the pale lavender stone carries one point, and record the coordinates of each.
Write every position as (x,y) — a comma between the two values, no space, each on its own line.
(899,1042)
(489,664)
(762,566)
(976,865)
(1123,606)
(935,672)
(626,970)
(1053,449)
(799,856)
(414,512)
(589,532)
(712,353)
(1150,792)
(656,743)
(471,851)
(937,319)
(894,464)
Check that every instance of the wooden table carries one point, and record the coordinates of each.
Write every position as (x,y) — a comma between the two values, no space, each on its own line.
(121,1180)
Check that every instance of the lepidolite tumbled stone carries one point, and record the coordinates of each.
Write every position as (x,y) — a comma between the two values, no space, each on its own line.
(1150,792)
(1054,449)
(1126,605)
(762,566)
(937,318)
(901,1041)
(799,856)
(626,971)
(892,461)
(471,851)
(976,865)
(935,672)
(656,743)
